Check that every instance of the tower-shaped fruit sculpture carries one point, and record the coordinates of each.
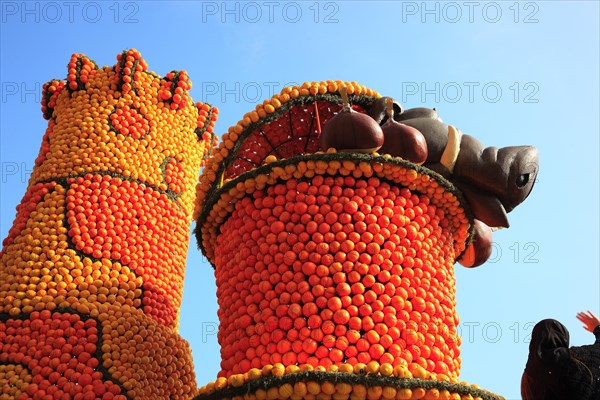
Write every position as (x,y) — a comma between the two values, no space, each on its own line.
(92,270)
(334,270)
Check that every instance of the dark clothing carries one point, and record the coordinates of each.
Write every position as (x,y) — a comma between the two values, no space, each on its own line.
(556,372)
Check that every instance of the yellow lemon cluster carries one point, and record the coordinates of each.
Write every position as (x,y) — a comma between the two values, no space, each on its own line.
(92,270)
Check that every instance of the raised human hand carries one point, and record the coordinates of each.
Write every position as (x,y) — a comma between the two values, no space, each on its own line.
(590,321)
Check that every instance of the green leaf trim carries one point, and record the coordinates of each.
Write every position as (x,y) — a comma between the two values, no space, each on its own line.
(266,383)
(214,195)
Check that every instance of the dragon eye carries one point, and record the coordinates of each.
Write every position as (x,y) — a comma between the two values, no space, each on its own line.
(522,180)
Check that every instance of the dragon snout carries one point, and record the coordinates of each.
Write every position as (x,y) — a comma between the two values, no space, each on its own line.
(523,166)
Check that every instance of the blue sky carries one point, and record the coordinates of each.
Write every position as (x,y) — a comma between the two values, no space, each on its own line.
(508,73)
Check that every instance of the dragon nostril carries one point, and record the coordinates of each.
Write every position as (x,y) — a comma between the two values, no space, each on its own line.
(522,180)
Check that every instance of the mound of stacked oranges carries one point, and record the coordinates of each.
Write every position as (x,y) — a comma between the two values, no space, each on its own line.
(89,302)
(334,271)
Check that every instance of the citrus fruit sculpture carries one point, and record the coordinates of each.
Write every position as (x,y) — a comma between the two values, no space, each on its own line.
(334,270)
(92,269)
